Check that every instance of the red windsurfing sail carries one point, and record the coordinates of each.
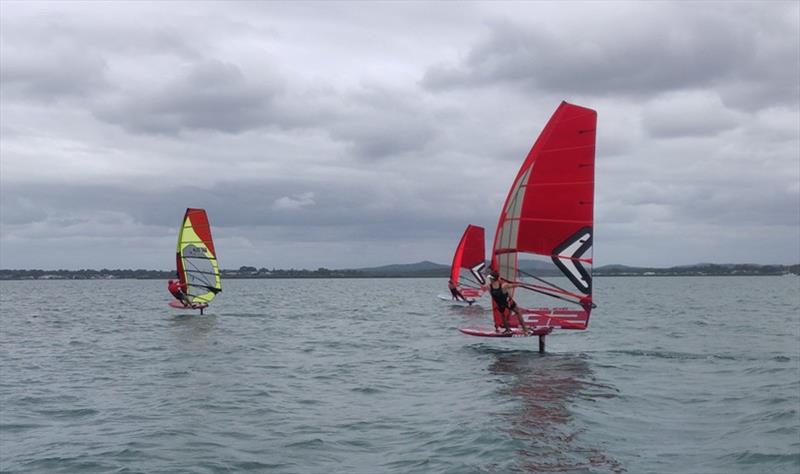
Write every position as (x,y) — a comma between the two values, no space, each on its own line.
(549,213)
(471,256)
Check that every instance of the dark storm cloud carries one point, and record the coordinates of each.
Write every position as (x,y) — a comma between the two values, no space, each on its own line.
(644,51)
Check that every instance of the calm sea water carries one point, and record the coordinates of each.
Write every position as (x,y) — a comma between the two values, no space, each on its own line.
(674,375)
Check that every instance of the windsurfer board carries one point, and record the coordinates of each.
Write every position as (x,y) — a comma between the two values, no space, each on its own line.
(178,305)
(450,299)
(489,331)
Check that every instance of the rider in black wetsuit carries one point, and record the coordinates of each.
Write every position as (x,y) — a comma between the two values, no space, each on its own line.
(505,304)
(454,291)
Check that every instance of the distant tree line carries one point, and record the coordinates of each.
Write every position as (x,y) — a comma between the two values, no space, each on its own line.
(706,269)
(140,274)
(702,269)
(86,274)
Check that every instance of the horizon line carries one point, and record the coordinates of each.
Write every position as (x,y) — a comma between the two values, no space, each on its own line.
(379,266)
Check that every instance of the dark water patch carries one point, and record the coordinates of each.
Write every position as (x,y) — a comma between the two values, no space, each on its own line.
(129,455)
(153,349)
(308,401)
(177,374)
(308,443)
(39,400)
(61,414)
(257,466)
(772,415)
(785,430)
(20,427)
(238,435)
(243,315)
(367,390)
(770,462)
(767,401)
(767,370)
(203,444)
(672,355)
(410,465)
(70,464)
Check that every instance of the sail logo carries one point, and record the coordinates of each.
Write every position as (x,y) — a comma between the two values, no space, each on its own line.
(477,272)
(567,257)
(194,251)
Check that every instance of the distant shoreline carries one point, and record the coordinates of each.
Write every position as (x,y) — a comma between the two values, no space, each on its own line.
(418,270)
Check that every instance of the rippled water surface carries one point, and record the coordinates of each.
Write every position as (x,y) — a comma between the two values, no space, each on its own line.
(694,375)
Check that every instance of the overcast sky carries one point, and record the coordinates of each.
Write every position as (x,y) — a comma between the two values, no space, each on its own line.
(356,134)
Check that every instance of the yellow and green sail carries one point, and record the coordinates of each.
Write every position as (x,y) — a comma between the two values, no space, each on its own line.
(196,258)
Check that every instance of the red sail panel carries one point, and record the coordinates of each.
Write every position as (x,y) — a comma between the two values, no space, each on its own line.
(199,222)
(549,209)
(470,253)
(553,194)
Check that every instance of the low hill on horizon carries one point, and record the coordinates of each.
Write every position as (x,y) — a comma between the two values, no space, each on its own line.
(425,268)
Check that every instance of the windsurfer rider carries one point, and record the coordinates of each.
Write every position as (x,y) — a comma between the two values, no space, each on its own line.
(456,293)
(178,290)
(505,304)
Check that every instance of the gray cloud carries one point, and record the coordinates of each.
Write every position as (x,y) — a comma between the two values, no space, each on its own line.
(688,114)
(210,95)
(379,123)
(644,50)
(62,71)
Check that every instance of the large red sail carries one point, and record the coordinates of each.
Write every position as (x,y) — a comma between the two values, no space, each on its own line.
(549,212)
(470,255)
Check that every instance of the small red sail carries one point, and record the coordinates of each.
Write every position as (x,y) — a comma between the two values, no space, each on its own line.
(549,212)
(470,255)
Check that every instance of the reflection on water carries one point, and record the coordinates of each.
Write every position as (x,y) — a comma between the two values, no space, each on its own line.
(193,330)
(543,427)
(474,310)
